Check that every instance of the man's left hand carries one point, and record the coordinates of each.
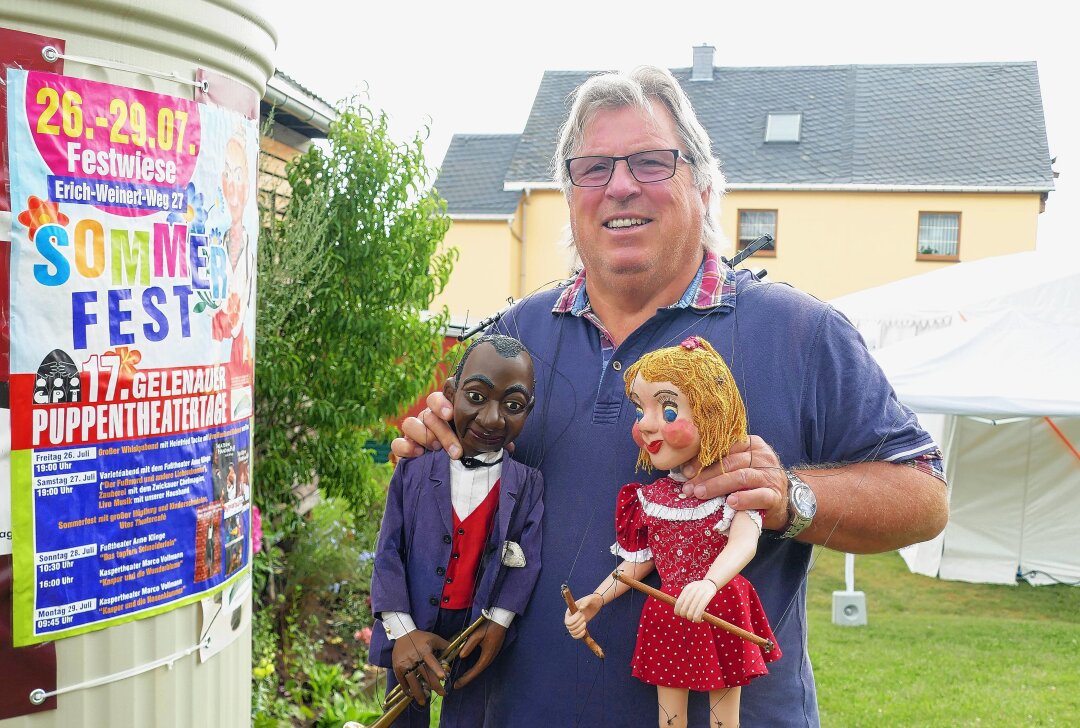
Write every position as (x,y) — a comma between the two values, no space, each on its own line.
(751,477)
(489,638)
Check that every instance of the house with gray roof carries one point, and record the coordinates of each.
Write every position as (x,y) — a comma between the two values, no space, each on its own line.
(862,173)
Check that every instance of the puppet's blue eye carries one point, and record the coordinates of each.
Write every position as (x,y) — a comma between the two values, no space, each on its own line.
(670,413)
(638,413)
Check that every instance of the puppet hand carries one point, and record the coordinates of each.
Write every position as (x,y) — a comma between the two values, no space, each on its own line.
(416,666)
(695,598)
(587,609)
(430,430)
(751,477)
(489,636)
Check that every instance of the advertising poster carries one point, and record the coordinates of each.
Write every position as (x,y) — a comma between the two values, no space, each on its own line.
(132,319)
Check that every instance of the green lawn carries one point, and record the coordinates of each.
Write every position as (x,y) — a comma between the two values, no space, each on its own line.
(941,653)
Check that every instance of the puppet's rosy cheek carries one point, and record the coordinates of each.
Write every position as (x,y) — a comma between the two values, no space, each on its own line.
(680,433)
(635,431)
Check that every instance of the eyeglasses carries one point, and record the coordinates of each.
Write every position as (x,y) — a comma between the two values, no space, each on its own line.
(655,165)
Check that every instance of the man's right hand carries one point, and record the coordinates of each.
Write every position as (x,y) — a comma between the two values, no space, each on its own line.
(430,430)
(416,666)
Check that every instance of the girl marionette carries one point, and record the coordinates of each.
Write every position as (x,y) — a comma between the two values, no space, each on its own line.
(688,408)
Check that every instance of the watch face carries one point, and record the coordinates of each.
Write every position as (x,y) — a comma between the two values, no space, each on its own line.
(805,502)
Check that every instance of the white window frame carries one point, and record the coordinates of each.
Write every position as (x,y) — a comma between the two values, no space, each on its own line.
(786,127)
(768,251)
(933,238)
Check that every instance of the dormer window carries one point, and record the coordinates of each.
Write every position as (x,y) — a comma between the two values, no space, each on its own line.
(783,128)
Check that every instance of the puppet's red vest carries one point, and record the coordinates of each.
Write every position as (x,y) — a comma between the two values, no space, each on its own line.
(469,536)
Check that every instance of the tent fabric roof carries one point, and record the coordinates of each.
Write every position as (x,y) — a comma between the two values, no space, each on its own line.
(998,337)
(942,125)
(1006,365)
(1037,281)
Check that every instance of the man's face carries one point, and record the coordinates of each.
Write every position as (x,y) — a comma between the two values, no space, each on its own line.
(663,240)
(492,399)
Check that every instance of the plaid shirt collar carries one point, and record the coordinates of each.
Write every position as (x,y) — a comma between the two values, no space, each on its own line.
(713,286)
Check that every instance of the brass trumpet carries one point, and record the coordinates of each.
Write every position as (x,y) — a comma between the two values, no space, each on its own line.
(397,701)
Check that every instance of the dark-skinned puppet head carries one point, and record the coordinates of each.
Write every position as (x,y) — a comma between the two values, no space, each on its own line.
(492,393)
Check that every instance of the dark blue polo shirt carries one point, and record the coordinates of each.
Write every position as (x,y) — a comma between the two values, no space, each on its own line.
(812,392)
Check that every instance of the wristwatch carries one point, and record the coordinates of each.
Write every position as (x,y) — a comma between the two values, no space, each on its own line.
(802,505)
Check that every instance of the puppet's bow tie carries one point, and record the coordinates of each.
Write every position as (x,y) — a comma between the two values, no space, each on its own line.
(471,463)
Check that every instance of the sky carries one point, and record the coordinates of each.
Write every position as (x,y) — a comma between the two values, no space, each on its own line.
(474,67)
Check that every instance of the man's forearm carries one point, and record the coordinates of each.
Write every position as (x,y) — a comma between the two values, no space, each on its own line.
(871,507)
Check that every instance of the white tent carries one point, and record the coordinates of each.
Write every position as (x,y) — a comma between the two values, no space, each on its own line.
(994,346)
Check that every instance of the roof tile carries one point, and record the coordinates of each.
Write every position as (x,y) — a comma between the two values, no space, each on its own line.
(471,176)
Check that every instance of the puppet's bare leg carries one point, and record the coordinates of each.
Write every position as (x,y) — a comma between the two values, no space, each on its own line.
(724,708)
(672,707)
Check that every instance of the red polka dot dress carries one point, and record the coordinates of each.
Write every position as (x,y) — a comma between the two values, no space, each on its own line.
(683,536)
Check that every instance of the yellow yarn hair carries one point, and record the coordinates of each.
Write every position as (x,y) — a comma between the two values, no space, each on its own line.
(703,376)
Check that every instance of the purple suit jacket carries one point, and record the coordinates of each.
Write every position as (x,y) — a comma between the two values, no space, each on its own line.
(415,543)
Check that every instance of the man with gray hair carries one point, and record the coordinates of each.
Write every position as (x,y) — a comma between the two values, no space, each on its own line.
(833,458)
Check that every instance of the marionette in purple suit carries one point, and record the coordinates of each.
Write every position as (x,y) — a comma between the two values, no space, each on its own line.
(460,538)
